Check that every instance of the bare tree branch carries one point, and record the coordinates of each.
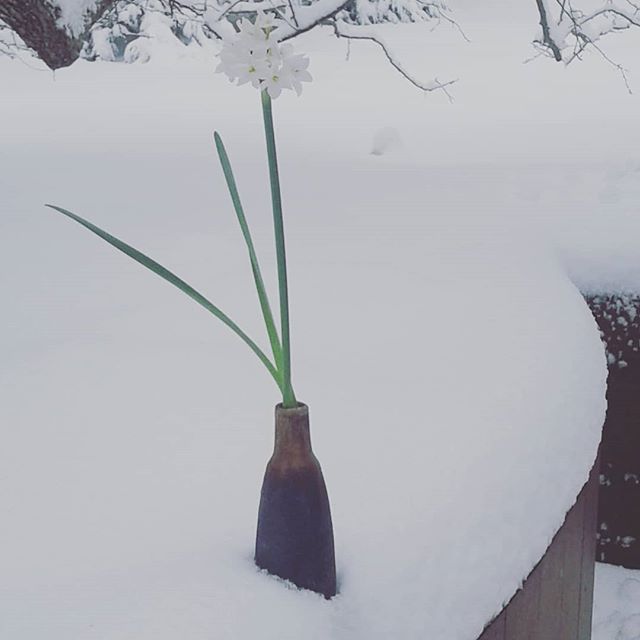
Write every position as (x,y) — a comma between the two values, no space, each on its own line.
(546,32)
(357,33)
(567,31)
(574,31)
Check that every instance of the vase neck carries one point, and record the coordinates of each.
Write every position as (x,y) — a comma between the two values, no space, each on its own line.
(292,431)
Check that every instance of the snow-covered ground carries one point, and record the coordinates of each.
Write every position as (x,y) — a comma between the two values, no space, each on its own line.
(616,611)
(454,374)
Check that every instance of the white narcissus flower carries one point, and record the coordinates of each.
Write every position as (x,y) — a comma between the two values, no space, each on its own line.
(245,61)
(294,68)
(265,21)
(254,55)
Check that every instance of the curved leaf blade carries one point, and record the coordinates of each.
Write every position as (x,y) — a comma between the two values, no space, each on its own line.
(177,282)
(263,298)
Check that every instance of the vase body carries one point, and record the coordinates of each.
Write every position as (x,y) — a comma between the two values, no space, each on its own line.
(295,534)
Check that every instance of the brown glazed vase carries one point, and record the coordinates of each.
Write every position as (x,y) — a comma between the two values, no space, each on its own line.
(295,534)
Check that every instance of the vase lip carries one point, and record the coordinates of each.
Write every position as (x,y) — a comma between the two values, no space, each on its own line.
(301,409)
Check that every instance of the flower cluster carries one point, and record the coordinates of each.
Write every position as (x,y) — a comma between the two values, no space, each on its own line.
(254,55)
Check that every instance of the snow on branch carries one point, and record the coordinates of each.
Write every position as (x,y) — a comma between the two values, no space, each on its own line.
(298,18)
(567,30)
(10,43)
(122,30)
(54,29)
(347,23)
(301,16)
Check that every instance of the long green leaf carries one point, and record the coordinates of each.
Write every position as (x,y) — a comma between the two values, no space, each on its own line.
(255,266)
(167,275)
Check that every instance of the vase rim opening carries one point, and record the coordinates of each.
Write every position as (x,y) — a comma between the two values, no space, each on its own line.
(300,407)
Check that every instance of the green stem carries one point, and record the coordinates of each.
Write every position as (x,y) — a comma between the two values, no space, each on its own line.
(288,397)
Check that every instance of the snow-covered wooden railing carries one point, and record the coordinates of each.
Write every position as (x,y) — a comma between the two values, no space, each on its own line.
(556,600)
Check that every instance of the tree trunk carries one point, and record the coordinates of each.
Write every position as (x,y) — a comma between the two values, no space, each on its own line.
(36,22)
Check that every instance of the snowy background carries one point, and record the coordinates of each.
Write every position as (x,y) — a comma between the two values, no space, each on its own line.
(454,374)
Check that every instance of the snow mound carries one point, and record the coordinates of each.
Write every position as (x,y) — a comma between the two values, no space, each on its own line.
(73,13)
(386,140)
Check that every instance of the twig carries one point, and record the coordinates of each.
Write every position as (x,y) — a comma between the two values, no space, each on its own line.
(436,85)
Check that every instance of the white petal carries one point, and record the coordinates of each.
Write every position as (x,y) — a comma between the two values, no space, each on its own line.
(274,91)
(303,76)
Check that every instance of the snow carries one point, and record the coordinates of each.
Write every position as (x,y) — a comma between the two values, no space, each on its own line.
(73,13)
(386,140)
(454,374)
(616,613)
